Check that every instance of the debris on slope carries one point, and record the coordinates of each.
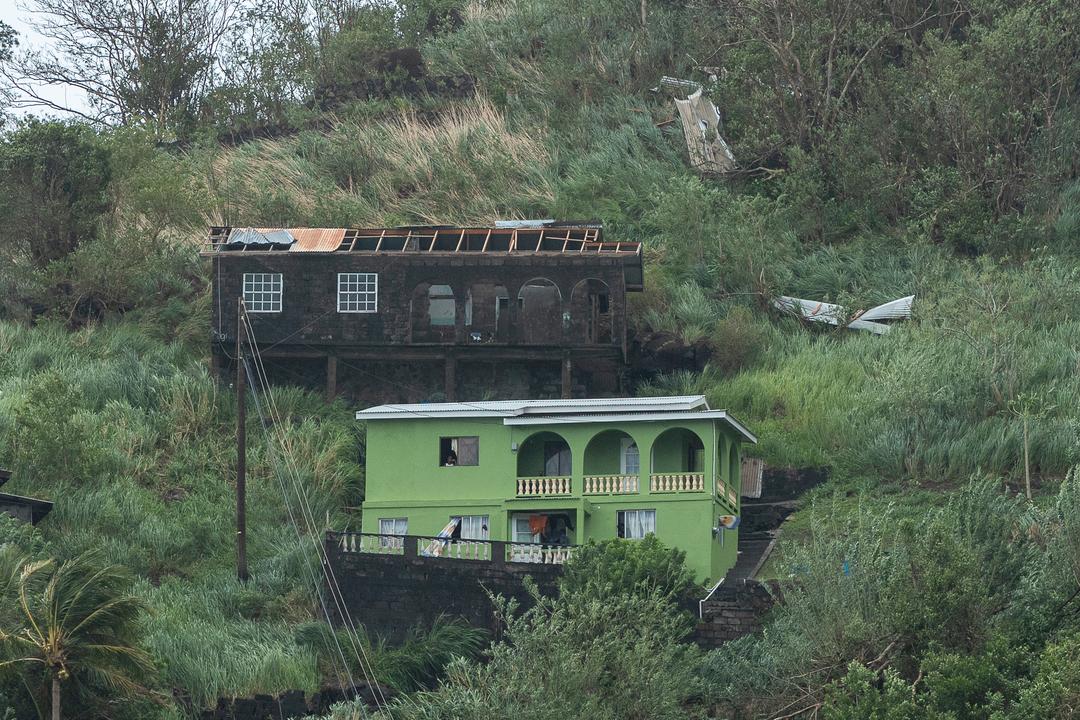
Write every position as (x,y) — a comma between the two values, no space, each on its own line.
(708,151)
(872,320)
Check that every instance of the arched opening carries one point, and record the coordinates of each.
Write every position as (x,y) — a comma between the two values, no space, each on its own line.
(590,310)
(678,450)
(544,454)
(612,464)
(487,313)
(433,313)
(541,312)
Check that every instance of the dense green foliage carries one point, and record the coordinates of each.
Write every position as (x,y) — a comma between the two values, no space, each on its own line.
(884,150)
(75,630)
(620,567)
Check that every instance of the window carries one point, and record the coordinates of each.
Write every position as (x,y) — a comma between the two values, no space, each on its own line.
(459,451)
(262,292)
(357,292)
(523,530)
(392,526)
(441,305)
(630,458)
(472,527)
(636,524)
(556,459)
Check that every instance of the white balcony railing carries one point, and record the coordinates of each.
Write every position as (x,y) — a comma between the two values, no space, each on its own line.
(676,482)
(377,544)
(533,553)
(609,484)
(543,486)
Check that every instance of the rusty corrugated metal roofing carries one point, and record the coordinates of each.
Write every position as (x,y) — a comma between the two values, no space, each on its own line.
(313,239)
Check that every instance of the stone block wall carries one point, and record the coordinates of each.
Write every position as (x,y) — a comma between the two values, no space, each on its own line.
(735,610)
(289,704)
(389,594)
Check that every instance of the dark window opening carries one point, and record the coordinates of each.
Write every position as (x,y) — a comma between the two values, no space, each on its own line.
(556,459)
(459,451)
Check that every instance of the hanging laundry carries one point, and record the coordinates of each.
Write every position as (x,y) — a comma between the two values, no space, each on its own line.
(435,548)
(537,523)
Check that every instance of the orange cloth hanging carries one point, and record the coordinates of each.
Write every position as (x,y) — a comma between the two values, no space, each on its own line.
(537,523)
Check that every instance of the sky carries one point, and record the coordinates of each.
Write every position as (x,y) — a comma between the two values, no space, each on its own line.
(15,15)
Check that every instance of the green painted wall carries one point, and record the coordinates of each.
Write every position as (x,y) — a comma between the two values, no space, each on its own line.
(603,454)
(404,479)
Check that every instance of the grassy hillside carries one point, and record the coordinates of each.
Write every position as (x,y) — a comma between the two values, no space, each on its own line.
(881,154)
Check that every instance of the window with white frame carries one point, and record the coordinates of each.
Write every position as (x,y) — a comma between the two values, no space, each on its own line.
(357,292)
(522,529)
(473,527)
(636,524)
(262,292)
(392,526)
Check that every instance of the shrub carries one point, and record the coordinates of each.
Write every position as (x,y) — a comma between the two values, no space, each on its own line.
(50,441)
(641,568)
(619,657)
(862,695)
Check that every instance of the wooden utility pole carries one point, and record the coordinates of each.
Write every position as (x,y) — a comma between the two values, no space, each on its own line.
(241,449)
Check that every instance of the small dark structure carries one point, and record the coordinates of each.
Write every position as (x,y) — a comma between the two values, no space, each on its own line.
(532,308)
(27,509)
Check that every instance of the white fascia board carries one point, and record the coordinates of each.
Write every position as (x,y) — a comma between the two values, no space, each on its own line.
(613,405)
(635,417)
(427,414)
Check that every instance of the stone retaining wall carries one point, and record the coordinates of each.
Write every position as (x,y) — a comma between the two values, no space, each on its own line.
(733,611)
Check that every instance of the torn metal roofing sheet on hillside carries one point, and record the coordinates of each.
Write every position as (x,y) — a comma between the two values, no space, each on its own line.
(701,126)
(833,314)
(677,85)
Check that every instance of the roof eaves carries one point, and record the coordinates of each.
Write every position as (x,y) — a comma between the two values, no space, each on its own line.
(634,417)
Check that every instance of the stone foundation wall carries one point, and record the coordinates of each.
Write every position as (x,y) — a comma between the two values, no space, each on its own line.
(389,594)
(733,611)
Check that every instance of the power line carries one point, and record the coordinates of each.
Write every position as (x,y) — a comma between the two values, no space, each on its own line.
(309,520)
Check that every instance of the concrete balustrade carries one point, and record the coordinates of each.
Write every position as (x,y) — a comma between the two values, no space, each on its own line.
(677,482)
(544,486)
(609,484)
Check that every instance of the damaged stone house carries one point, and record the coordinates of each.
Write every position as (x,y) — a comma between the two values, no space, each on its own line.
(27,509)
(518,309)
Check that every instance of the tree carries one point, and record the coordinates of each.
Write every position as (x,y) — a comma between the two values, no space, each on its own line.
(1028,407)
(148,61)
(78,621)
(53,181)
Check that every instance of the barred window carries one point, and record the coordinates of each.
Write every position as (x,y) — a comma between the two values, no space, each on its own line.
(262,292)
(357,292)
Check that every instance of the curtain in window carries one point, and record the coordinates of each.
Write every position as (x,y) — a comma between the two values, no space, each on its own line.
(638,523)
(468,451)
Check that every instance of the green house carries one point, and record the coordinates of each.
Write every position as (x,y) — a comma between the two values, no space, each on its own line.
(542,476)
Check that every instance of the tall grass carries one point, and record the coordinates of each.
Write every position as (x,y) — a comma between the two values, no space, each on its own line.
(465,165)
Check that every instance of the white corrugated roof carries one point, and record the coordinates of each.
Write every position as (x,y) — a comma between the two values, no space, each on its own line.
(515,408)
(552,412)
(634,417)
